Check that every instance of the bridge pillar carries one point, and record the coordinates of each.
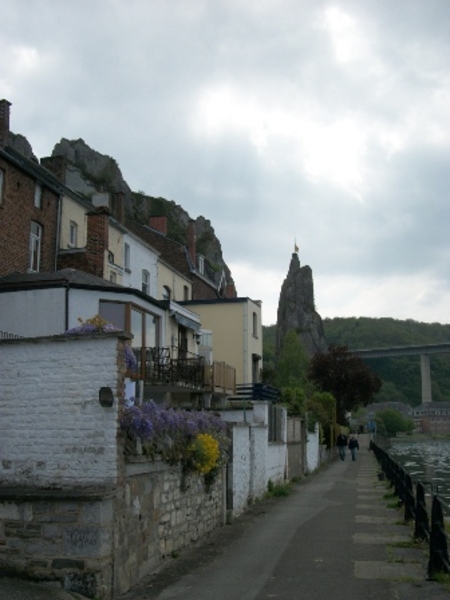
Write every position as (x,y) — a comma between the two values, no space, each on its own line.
(426,378)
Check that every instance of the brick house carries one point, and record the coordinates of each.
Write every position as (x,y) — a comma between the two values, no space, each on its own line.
(30,200)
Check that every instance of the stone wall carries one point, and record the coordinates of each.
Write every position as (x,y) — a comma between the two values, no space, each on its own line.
(73,508)
(159,511)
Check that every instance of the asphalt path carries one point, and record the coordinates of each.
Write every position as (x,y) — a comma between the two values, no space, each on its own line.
(302,547)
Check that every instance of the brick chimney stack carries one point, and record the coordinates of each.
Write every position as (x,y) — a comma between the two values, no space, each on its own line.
(4,122)
(97,240)
(56,165)
(191,242)
(159,223)
(119,207)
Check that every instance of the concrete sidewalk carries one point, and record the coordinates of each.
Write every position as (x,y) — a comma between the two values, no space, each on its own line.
(333,536)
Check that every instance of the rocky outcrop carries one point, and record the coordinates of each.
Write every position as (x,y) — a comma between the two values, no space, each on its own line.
(296,310)
(88,172)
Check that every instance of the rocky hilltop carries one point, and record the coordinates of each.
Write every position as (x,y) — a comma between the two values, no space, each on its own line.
(89,172)
(296,310)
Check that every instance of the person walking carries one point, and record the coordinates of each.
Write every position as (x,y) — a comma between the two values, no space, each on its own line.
(353,446)
(341,443)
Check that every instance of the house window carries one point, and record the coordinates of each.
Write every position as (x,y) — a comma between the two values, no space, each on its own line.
(201,265)
(126,256)
(166,293)
(73,234)
(38,195)
(127,317)
(185,292)
(35,246)
(146,282)
(111,257)
(2,180)
(255,325)
(113,277)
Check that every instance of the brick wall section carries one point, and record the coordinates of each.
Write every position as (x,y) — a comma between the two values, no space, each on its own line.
(56,165)
(16,213)
(93,260)
(53,430)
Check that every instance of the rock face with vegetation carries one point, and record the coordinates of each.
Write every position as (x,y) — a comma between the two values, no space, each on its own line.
(88,172)
(296,310)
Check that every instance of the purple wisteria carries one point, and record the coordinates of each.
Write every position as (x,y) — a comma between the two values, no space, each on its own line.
(99,324)
(167,432)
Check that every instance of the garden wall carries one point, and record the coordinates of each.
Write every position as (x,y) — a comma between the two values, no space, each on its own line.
(73,508)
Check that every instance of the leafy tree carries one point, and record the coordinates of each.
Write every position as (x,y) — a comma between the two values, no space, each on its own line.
(322,409)
(292,366)
(346,377)
(295,400)
(390,422)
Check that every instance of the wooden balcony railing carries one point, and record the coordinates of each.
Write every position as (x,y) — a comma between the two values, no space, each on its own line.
(220,378)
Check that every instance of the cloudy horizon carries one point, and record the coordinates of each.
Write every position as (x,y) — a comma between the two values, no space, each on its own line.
(324,124)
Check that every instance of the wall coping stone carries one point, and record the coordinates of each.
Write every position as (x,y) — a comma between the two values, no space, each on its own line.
(26,494)
(64,337)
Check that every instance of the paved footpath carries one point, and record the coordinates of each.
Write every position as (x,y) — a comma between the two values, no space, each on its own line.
(332,537)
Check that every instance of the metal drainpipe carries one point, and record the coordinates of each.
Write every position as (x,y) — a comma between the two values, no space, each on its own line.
(58,231)
(245,352)
(66,318)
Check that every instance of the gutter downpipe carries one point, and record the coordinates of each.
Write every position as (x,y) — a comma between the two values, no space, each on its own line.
(245,353)
(66,317)
(58,231)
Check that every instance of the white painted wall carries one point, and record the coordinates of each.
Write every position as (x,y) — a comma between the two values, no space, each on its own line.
(40,312)
(53,431)
(313,450)
(241,466)
(141,257)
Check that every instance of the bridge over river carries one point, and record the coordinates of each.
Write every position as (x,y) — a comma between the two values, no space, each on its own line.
(424,351)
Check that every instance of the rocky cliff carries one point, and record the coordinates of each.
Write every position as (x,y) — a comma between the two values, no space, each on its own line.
(296,310)
(88,172)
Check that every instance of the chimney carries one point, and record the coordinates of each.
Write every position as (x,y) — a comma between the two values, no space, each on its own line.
(119,206)
(159,223)
(230,291)
(4,122)
(191,242)
(56,165)
(97,240)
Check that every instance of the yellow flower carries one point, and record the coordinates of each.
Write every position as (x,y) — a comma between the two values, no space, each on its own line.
(204,453)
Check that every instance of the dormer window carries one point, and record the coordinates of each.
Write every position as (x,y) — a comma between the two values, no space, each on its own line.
(126,256)
(146,282)
(38,195)
(2,181)
(166,293)
(73,234)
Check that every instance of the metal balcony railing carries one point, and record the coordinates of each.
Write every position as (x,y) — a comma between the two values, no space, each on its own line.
(157,366)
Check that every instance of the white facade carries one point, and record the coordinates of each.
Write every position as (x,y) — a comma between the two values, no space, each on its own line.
(139,257)
(51,311)
(53,432)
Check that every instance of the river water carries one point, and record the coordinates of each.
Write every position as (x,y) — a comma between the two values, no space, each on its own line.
(426,459)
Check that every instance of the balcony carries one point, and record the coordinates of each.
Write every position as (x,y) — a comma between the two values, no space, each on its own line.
(157,366)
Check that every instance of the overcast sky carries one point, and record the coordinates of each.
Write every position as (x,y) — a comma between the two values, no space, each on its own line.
(321,122)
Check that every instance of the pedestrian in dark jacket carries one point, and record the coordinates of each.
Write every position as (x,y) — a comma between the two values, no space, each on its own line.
(353,446)
(341,443)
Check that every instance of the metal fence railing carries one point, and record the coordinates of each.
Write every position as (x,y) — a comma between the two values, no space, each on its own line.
(429,521)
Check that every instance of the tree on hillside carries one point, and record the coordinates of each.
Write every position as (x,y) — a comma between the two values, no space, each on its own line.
(346,377)
(291,369)
(390,422)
